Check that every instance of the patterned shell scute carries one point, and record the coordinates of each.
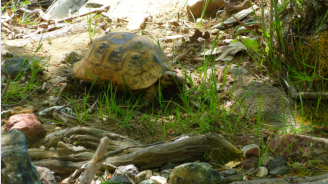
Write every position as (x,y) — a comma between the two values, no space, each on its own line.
(122,58)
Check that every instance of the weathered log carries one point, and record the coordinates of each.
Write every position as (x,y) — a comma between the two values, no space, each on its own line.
(86,136)
(40,154)
(60,167)
(184,149)
(95,164)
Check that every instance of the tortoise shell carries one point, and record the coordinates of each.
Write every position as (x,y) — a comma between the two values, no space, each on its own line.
(122,59)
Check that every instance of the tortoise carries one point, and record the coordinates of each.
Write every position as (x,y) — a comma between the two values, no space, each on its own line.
(128,62)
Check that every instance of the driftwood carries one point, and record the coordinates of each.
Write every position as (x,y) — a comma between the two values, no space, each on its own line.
(95,164)
(88,137)
(184,149)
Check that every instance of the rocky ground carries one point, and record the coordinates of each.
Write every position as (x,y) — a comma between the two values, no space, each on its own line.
(260,143)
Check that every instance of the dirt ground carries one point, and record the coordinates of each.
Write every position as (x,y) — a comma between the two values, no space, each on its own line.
(52,50)
(161,128)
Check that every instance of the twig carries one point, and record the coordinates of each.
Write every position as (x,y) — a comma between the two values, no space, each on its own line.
(182,55)
(46,181)
(60,92)
(10,105)
(291,88)
(6,88)
(185,23)
(91,108)
(68,120)
(310,95)
(57,108)
(64,80)
(34,33)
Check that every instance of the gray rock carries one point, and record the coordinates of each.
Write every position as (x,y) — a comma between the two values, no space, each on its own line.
(130,170)
(266,160)
(229,179)
(16,165)
(148,182)
(60,9)
(46,174)
(121,179)
(14,66)
(143,175)
(71,57)
(193,173)
(278,166)
(168,165)
(166,173)
(261,172)
(229,172)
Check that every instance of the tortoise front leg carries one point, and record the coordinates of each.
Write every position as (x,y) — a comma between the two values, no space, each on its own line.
(150,95)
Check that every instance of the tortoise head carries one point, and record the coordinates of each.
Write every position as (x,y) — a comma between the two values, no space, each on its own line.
(173,77)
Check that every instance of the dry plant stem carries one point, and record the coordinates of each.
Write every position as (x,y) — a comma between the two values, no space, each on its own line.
(242,24)
(68,104)
(57,108)
(60,92)
(291,88)
(96,163)
(5,28)
(10,105)
(34,33)
(185,23)
(6,88)
(64,80)
(67,120)
(182,55)
(252,50)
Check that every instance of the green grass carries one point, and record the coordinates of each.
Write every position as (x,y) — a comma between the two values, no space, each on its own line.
(17,90)
(92,30)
